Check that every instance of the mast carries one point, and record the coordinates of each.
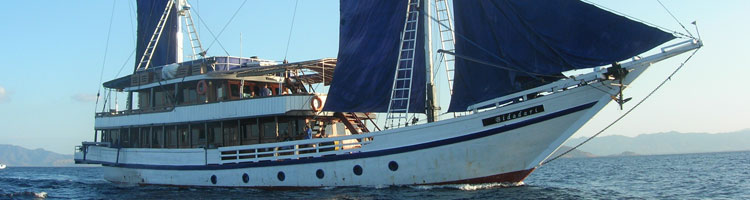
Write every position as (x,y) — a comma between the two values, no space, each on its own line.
(432,110)
(181,5)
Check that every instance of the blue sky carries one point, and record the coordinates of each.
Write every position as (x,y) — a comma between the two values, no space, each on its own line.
(53,53)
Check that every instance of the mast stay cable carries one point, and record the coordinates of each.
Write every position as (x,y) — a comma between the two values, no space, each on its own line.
(289,38)
(675,18)
(639,20)
(216,37)
(104,60)
(626,113)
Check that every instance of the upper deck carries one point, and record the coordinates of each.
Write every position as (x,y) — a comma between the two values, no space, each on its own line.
(217,88)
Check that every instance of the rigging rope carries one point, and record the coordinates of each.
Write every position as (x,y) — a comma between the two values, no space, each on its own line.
(294,15)
(675,18)
(626,113)
(104,60)
(638,20)
(216,37)
(483,49)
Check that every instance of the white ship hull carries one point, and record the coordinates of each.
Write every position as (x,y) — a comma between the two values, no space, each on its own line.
(460,150)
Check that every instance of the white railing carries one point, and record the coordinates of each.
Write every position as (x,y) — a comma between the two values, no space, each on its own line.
(294,149)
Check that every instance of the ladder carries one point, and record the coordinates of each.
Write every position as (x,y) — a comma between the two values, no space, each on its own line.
(398,107)
(151,47)
(445,24)
(447,42)
(195,42)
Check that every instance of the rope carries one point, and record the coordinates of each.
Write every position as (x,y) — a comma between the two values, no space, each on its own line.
(675,18)
(294,15)
(216,37)
(626,113)
(104,60)
(638,20)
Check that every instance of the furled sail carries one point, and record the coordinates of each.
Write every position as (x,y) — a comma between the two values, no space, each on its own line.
(369,39)
(149,13)
(536,40)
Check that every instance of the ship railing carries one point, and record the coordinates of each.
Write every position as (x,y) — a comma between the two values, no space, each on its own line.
(300,149)
(135,111)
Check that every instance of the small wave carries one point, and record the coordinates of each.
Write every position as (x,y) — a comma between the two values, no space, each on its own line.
(468,187)
(37,195)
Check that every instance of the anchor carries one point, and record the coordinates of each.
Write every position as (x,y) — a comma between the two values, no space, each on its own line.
(616,72)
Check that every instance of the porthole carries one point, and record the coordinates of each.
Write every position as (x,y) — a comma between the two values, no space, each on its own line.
(281,176)
(213,179)
(245,178)
(393,166)
(320,174)
(357,170)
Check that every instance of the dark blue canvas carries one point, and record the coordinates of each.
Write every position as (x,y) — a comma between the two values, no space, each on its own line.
(369,39)
(149,13)
(537,37)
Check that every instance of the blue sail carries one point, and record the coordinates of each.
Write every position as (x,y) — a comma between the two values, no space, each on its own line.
(369,39)
(537,40)
(149,13)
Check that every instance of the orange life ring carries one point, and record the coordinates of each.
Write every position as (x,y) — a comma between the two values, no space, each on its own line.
(201,87)
(318,108)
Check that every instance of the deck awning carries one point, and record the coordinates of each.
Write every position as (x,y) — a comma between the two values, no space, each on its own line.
(323,67)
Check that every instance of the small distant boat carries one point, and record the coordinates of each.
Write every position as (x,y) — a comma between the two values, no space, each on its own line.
(2,166)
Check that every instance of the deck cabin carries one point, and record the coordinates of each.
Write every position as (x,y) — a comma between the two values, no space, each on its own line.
(223,101)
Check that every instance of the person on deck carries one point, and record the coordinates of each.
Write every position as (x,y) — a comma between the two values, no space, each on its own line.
(265,91)
(308,132)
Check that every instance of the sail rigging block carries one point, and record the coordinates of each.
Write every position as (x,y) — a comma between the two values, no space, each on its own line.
(369,38)
(539,39)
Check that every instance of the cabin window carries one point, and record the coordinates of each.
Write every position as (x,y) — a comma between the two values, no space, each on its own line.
(234,89)
(145,137)
(125,137)
(143,99)
(163,96)
(114,137)
(211,91)
(231,135)
(134,138)
(248,91)
(198,135)
(103,135)
(250,131)
(269,129)
(184,137)
(214,136)
(301,123)
(290,128)
(172,139)
(189,95)
(221,93)
(157,138)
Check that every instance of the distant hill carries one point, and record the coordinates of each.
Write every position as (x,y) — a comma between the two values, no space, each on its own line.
(665,143)
(14,156)
(573,154)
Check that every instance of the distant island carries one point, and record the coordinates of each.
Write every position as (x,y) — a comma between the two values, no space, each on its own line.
(612,145)
(659,143)
(15,156)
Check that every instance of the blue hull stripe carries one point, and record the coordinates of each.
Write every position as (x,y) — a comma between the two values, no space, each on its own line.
(359,155)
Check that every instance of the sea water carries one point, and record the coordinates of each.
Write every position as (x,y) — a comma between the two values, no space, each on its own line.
(723,175)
